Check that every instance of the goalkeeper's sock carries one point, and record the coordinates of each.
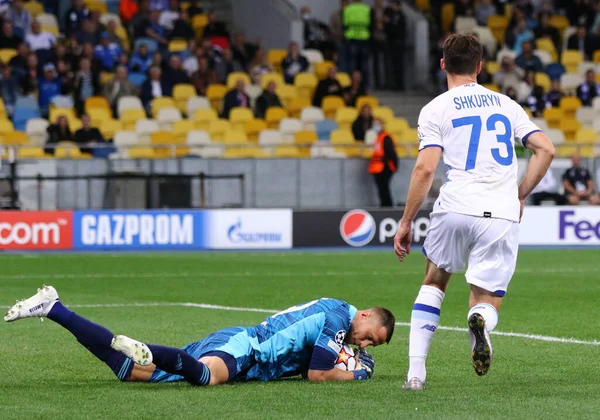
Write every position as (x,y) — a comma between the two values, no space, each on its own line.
(424,322)
(488,313)
(178,362)
(93,337)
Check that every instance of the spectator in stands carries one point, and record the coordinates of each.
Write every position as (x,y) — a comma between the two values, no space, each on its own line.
(118,87)
(38,40)
(587,91)
(579,11)
(29,80)
(76,15)
(243,52)
(259,66)
(536,102)
(359,25)
(484,77)
(9,39)
(182,28)
(141,60)
(152,29)
(483,11)
(157,60)
(88,137)
(154,87)
(508,75)
(464,8)
(511,92)
(195,8)
(336,31)
(139,20)
(579,185)
(266,100)
(107,52)
(190,64)
(57,132)
(215,29)
(226,65)
(87,51)
(546,190)
(128,9)
(384,162)
(20,18)
(363,123)
(582,42)
(9,89)
(169,15)
(49,86)
(210,52)
(527,60)
(66,76)
(378,45)
(85,84)
(516,35)
(111,30)
(395,34)
(19,61)
(355,90)
(544,30)
(175,74)
(203,77)
(236,97)
(326,87)
(526,87)
(555,94)
(293,63)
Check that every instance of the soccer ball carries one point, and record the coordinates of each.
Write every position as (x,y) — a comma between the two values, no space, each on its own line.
(346,359)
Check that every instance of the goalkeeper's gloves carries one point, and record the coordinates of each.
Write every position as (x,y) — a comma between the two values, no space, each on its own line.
(367,366)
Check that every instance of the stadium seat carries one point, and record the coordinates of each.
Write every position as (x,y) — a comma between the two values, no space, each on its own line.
(555,71)
(6,54)
(541,123)
(148,42)
(181,128)
(570,81)
(217,130)
(350,147)
(291,152)
(163,137)
(325,128)
(397,127)
(108,17)
(306,84)
(571,59)
(345,117)
(235,137)
(199,22)
(145,127)
(343,79)
(203,117)
(330,105)
(423,5)
(253,91)
(559,22)
(181,94)
(238,117)
(569,106)
(109,128)
(596,104)
(130,117)
(14,137)
(137,79)
(121,32)
(321,69)
(384,112)
(94,102)
(274,115)
(36,130)
(69,150)
(34,7)
(464,24)
(270,138)
(448,15)
(569,127)
(275,57)
(160,103)
(47,19)
(31,152)
(198,138)
(167,116)
(141,153)
(487,39)
(553,116)
(271,77)
(177,45)
(306,137)
(497,25)
(69,113)
(99,115)
(286,94)
(125,139)
(97,6)
(311,116)
(288,127)
(586,135)
(545,44)
(544,56)
(543,80)
(313,56)
(22,115)
(215,95)
(196,102)
(585,66)
(129,102)
(596,56)
(233,78)
(253,127)
(295,106)
(586,116)
(367,100)
(492,66)
(370,137)
(341,137)
(492,86)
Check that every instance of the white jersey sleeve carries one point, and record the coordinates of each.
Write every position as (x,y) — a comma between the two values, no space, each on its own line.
(428,130)
(524,127)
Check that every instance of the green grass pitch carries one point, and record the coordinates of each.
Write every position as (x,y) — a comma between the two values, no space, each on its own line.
(46,374)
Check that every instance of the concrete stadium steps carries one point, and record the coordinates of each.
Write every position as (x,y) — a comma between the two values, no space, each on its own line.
(404,104)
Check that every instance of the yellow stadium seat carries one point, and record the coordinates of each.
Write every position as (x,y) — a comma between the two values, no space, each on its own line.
(181,94)
(306,137)
(447,16)
(344,79)
(215,94)
(341,137)
(547,45)
(110,127)
(423,5)
(233,78)
(271,77)
(275,57)
(238,117)
(6,54)
(96,102)
(141,153)
(217,130)
(330,105)
(160,103)
(345,117)
(596,56)
(291,152)
(199,22)
(164,137)
(497,25)
(569,127)
(492,66)
(99,115)
(571,59)
(14,137)
(69,150)
(51,29)
(410,136)
(34,8)
(97,5)
(245,153)
(306,84)
(384,112)
(67,112)
(178,45)
(31,153)
(543,80)
(286,94)
(274,115)
(322,68)
(203,117)
(6,126)
(586,135)
(397,128)
(106,77)
(181,129)
(367,100)
(553,116)
(492,86)
(235,137)
(295,106)
(569,106)
(253,127)
(121,32)
(3,114)
(129,118)
(559,22)
(75,124)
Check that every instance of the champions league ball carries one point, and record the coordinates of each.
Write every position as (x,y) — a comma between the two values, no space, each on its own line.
(347,358)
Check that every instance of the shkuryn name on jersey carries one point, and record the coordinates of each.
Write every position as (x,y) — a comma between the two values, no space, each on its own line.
(476,101)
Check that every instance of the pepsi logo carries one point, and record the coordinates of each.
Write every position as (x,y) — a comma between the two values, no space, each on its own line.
(357,228)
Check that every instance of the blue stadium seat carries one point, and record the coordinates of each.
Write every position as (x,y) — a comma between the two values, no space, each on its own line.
(26,108)
(149,42)
(324,129)
(555,70)
(137,79)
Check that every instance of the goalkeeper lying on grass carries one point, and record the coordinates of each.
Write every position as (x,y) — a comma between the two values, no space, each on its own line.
(303,339)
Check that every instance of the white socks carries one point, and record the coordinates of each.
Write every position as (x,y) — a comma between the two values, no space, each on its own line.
(424,322)
(489,314)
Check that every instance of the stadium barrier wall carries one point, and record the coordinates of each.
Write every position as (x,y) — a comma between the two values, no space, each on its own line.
(146,230)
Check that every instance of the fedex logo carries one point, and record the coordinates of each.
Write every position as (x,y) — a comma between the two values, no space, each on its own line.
(23,230)
(583,229)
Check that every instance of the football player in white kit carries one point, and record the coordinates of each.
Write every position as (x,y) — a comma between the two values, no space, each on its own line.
(475,220)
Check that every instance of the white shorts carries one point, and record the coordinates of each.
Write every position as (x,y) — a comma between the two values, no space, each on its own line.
(489,245)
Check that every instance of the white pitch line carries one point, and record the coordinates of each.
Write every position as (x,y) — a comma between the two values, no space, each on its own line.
(536,337)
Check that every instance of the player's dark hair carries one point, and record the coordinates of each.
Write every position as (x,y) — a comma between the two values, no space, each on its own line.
(388,320)
(462,53)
